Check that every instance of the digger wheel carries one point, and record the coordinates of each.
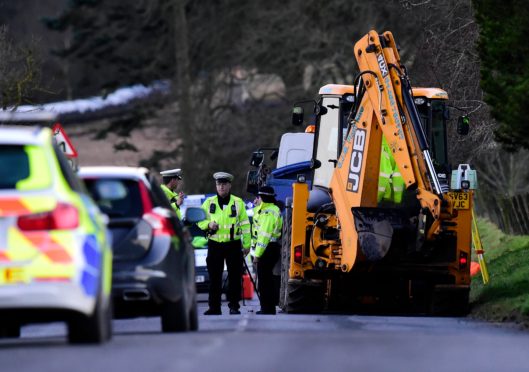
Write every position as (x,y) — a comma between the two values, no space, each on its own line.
(305,296)
(297,296)
(449,302)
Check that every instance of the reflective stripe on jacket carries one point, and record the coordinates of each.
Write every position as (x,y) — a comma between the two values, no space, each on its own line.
(172,196)
(266,227)
(232,226)
(390,183)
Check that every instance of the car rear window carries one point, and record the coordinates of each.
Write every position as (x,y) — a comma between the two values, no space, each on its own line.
(23,168)
(116,197)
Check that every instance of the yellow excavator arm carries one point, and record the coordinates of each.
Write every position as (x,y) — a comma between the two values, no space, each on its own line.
(386,108)
(413,249)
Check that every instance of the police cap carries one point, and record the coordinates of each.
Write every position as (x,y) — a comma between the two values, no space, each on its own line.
(223,177)
(267,190)
(172,173)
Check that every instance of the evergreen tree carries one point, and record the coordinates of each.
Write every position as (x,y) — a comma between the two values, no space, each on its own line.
(504,52)
(115,43)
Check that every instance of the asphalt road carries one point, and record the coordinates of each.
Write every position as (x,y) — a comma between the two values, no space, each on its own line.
(250,342)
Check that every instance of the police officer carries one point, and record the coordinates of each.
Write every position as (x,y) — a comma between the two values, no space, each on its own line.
(228,228)
(390,182)
(171,180)
(266,232)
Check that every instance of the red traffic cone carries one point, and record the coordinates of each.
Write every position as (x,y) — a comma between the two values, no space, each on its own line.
(247,287)
(474,268)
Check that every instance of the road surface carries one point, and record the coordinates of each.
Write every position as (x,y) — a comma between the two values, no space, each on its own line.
(250,342)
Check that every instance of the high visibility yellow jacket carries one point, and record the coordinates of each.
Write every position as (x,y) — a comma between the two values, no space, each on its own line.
(266,227)
(232,220)
(199,242)
(390,182)
(172,196)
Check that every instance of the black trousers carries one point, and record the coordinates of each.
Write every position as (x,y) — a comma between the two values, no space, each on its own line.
(231,252)
(265,277)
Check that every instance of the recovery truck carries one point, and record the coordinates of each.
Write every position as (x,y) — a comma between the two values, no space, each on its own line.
(343,248)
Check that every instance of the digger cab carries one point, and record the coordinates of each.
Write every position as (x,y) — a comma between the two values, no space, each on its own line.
(333,112)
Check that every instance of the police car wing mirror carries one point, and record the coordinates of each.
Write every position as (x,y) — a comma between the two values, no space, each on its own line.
(463,125)
(274,155)
(194,215)
(297,115)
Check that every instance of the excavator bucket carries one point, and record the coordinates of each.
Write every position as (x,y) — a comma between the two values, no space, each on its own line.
(376,228)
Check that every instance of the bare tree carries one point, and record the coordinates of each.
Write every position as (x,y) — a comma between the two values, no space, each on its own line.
(19,71)
(446,57)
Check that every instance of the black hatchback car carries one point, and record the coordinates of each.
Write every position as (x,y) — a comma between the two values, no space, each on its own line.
(153,265)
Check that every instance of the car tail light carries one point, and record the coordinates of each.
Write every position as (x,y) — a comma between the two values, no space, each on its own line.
(63,217)
(160,224)
(145,198)
(298,254)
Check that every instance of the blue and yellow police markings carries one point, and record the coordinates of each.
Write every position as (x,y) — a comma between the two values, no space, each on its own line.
(91,272)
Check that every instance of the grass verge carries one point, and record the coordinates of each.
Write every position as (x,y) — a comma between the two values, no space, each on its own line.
(506,297)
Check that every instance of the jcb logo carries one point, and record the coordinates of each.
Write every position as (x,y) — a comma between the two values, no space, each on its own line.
(382,65)
(357,155)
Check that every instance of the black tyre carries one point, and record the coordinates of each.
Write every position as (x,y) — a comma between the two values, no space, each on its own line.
(93,329)
(304,297)
(297,296)
(449,303)
(175,317)
(193,315)
(285,257)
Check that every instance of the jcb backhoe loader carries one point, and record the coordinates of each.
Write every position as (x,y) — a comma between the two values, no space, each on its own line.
(342,247)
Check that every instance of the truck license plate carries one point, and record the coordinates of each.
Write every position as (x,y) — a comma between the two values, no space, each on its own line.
(461,200)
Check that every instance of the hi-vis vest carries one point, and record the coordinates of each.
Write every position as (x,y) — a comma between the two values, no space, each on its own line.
(390,182)
(172,196)
(232,220)
(266,227)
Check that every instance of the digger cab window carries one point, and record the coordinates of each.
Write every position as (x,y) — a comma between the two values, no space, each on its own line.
(327,141)
(431,112)
(438,133)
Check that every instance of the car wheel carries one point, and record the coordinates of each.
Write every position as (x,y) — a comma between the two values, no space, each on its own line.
(93,329)
(175,317)
(193,315)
